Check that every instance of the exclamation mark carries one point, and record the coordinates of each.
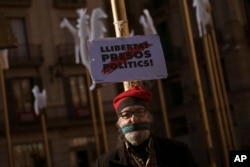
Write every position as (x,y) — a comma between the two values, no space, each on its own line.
(151,62)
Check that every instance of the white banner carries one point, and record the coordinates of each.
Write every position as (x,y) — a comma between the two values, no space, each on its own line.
(127,59)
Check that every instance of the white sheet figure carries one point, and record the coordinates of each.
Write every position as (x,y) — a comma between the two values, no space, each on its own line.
(97,30)
(85,31)
(97,27)
(40,99)
(74,32)
(203,15)
(147,23)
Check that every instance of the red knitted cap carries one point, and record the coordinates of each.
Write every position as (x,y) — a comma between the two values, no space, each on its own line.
(134,96)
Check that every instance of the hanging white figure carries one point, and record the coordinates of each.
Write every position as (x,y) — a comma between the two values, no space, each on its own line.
(147,23)
(74,32)
(97,30)
(40,99)
(97,27)
(203,16)
(85,31)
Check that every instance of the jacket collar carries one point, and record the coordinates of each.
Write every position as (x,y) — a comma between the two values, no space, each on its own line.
(120,159)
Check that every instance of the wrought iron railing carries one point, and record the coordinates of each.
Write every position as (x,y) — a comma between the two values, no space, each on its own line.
(25,55)
(66,54)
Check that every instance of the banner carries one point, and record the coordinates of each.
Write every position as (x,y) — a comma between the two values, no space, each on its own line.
(126,59)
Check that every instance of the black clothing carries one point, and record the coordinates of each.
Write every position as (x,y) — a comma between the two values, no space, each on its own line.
(169,153)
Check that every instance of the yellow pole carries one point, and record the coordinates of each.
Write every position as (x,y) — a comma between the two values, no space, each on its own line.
(93,115)
(7,40)
(120,18)
(193,59)
(45,137)
(224,93)
(163,108)
(215,65)
(104,132)
(216,93)
(121,28)
(6,120)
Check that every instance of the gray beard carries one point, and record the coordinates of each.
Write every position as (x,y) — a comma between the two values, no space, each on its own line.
(137,137)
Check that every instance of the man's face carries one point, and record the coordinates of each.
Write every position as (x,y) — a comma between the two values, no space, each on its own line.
(135,114)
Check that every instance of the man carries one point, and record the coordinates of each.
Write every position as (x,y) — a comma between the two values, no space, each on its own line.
(138,147)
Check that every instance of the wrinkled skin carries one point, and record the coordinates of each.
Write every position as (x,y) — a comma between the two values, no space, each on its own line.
(135,137)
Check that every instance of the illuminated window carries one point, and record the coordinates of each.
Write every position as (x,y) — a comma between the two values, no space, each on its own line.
(78,89)
(29,155)
(20,98)
(18,26)
(77,96)
(23,95)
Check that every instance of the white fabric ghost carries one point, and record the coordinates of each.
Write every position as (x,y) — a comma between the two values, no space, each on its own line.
(203,16)
(66,24)
(147,23)
(85,31)
(40,99)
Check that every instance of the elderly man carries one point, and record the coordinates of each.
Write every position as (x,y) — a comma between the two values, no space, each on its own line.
(138,147)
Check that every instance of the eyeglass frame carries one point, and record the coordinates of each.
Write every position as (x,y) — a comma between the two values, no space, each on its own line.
(139,112)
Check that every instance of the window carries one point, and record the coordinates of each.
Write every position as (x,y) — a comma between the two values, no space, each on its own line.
(66,50)
(29,155)
(23,95)
(79,93)
(19,92)
(19,30)
(67,35)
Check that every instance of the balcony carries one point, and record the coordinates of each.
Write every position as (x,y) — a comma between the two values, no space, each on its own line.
(69,3)
(66,54)
(82,111)
(19,3)
(24,117)
(25,56)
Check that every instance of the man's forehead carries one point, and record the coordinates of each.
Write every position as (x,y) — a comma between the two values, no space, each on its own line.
(133,107)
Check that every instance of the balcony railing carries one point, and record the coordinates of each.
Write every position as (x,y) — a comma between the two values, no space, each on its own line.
(82,111)
(24,117)
(25,55)
(69,3)
(66,54)
(20,3)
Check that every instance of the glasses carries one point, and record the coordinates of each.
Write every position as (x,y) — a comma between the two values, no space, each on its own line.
(138,113)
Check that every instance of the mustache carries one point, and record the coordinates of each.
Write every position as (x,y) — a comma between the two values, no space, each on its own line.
(135,127)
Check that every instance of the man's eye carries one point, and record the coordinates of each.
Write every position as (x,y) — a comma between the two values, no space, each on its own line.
(125,114)
(140,111)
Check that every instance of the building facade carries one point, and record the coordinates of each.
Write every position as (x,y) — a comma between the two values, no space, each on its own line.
(80,124)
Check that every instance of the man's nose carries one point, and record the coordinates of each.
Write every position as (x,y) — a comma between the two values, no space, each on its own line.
(134,118)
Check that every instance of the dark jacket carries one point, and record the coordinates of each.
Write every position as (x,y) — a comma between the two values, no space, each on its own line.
(169,153)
